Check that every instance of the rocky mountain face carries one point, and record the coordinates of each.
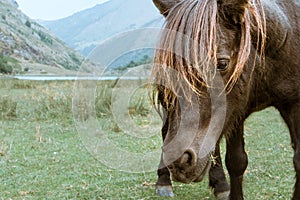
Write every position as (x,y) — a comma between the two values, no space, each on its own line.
(85,30)
(30,47)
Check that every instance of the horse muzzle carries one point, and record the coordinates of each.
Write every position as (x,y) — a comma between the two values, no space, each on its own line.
(188,169)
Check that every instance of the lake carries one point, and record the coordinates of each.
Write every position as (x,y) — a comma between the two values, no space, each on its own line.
(71,78)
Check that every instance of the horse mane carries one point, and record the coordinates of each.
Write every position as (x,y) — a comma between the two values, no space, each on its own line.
(187,50)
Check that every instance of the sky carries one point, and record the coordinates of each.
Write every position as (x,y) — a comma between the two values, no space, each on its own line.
(54,9)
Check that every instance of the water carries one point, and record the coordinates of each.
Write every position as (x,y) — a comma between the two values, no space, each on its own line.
(72,78)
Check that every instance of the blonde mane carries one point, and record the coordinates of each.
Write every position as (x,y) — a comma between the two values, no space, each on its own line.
(188,46)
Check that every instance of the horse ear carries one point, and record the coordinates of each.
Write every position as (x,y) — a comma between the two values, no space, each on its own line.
(234,10)
(164,6)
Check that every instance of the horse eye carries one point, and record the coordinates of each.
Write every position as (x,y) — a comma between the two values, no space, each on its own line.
(222,64)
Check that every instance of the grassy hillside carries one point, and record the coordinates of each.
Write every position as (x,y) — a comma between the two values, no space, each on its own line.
(31,45)
(43,157)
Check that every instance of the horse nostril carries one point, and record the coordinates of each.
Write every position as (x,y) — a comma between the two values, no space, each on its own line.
(170,167)
(186,158)
(189,157)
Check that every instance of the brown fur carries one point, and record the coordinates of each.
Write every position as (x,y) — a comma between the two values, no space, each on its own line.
(258,43)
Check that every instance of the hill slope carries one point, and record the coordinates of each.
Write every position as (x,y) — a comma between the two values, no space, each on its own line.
(28,46)
(84,30)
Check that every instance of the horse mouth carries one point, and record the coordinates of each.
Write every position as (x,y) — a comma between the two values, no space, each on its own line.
(206,169)
(186,178)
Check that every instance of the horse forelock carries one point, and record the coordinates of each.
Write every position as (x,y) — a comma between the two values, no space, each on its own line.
(186,56)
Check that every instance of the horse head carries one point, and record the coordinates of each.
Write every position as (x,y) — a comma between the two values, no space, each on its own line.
(203,52)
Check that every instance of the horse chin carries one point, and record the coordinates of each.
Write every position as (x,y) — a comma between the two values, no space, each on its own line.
(200,178)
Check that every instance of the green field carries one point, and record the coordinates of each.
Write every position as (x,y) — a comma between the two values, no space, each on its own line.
(42,155)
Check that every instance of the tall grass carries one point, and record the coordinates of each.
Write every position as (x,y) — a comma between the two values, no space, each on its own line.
(50,100)
(104,100)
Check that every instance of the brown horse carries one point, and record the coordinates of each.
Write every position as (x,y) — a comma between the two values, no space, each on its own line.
(217,62)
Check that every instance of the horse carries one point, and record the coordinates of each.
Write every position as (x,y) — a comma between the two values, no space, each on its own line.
(216,62)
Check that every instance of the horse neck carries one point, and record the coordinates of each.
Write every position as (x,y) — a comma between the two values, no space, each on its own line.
(282,49)
(279,23)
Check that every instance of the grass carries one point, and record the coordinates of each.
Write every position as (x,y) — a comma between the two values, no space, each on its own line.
(42,156)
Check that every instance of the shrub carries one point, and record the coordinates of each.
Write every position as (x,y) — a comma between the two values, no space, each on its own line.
(5,69)
(8,108)
(7,64)
(75,58)
(28,24)
(44,38)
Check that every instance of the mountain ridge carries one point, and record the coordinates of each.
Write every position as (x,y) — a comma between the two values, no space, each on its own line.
(86,29)
(32,47)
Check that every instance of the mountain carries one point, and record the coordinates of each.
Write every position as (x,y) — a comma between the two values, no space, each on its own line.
(86,29)
(26,46)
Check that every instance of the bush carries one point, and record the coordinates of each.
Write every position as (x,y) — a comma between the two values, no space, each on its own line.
(44,38)
(7,64)
(8,108)
(5,69)
(28,24)
(75,58)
